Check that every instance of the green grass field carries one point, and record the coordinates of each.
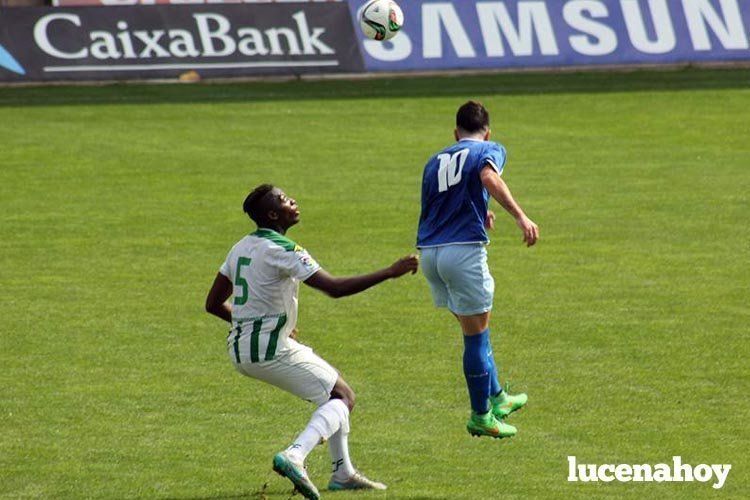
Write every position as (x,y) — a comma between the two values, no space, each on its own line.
(627,325)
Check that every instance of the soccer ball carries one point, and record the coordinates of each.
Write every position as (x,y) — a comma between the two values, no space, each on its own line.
(381,19)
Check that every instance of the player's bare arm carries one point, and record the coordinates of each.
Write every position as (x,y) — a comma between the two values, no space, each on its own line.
(337,287)
(216,301)
(499,190)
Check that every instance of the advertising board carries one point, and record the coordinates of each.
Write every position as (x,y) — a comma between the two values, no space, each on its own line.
(93,43)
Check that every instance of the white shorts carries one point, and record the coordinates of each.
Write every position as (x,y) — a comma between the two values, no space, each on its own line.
(297,369)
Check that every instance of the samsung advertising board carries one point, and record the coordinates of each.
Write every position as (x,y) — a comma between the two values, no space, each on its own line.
(94,43)
(465,34)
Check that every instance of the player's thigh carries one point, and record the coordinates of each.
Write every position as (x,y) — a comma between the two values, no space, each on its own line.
(470,285)
(429,264)
(297,370)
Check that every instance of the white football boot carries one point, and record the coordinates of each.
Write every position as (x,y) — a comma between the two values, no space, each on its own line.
(356,481)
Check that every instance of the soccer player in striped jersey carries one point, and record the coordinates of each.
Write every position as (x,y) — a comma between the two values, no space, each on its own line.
(262,273)
(456,187)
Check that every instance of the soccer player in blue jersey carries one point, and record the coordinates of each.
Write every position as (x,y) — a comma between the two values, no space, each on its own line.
(456,187)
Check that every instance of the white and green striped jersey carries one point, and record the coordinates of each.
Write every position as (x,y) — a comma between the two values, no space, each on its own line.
(266,268)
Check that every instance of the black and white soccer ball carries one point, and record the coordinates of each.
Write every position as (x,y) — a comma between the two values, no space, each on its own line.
(381,19)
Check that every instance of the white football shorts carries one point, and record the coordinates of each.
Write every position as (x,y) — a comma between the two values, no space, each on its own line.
(297,369)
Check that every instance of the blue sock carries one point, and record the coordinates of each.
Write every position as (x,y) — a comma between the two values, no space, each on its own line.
(495,388)
(477,370)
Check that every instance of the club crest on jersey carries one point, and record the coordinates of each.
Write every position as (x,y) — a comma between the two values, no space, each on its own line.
(306,260)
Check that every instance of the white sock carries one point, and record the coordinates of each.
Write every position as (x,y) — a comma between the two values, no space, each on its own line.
(342,466)
(328,419)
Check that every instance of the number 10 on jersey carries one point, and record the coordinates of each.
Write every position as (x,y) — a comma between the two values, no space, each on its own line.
(449,171)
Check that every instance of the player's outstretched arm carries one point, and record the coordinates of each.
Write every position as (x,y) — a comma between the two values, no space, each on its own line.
(341,287)
(216,301)
(500,191)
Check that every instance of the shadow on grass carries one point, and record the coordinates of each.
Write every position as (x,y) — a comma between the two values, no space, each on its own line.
(262,493)
(463,86)
(268,493)
(279,495)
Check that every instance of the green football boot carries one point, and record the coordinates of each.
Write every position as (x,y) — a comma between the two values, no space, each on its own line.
(504,404)
(285,466)
(488,425)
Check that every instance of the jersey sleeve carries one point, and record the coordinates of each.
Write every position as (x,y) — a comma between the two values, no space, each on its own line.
(225,268)
(297,263)
(495,156)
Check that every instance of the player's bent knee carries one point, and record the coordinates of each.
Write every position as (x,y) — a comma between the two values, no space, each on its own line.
(343,392)
(348,399)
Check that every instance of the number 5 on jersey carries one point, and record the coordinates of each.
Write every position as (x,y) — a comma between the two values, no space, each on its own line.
(449,171)
(241,282)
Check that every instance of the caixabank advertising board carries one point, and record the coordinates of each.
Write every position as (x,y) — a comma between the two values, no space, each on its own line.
(113,43)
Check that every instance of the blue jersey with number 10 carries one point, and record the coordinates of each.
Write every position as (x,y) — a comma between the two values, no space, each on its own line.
(454,201)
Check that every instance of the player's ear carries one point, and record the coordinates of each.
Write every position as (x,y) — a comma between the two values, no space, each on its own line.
(488,134)
(272,215)
(455,134)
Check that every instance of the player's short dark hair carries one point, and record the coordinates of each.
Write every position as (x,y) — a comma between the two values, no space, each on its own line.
(253,205)
(473,117)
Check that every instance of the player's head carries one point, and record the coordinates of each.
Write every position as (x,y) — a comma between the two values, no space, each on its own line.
(472,120)
(271,208)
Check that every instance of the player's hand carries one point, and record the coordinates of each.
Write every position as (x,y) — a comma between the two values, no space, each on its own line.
(408,264)
(529,229)
(294,333)
(489,220)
